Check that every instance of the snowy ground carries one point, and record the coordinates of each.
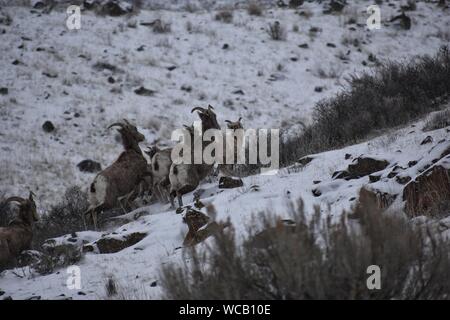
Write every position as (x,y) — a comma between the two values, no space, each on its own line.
(278,79)
(137,267)
(79,100)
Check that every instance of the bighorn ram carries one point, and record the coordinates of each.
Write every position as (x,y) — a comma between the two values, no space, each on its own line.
(227,169)
(160,162)
(17,236)
(118,184)
(185,178)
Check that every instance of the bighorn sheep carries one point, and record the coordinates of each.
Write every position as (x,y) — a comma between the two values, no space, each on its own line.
(227,169)
(160,162)
(119,183)
(17,236)
(185,178)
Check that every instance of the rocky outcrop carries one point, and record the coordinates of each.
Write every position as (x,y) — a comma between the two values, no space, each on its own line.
(113,243)
(360,167)
(429,192)
(229,183)
(89,165)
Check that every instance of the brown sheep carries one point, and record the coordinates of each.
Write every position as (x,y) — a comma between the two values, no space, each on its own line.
(119,183)
(17,236)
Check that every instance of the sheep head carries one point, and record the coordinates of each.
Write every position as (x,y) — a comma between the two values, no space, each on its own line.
(151,151)
(208,117)
(129,130)
(234,124)
(27,209)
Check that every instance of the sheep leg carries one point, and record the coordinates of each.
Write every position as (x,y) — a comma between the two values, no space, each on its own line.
(94,219)
(180,199)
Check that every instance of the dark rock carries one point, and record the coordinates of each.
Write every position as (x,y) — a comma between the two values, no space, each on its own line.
(115,8)
(403,21)
(428,139)
(51,75)
(294,59)
(39,4)
(225,46)
(81,293)
(331,45)
(112,244)
(171,68)
(305,160)
(111,79)
(4,91)
(144,92)
(403,180)
(89,165)
(303,46)
(186,88)
(230,183)
(342,174)
(239,91)
(48,126)
(364,166)
(412,163)
(2,293)
(318,89)
(141,48)
(154,284)
(15,62)
(316,192)
(295,3)
(374,178)
(427,192)
(316,181)
(347,156)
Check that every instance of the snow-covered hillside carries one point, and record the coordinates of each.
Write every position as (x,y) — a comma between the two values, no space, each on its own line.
(84,80)
(54,74)
(137,267)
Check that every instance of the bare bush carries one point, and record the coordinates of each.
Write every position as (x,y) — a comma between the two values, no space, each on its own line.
(439,120)
(393,94)
(225,16)
(313,258)
(63,218)
(160,26)
(254,8)
(276,31)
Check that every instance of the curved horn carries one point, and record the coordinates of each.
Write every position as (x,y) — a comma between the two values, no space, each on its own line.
(127,122)
(15,199)
(31,196)
(240,118)
(210,107)
(227,121)
(116,124)
(198,108)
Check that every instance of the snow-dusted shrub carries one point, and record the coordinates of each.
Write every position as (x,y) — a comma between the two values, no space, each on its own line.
(63,218)
(313,258)
(254,8)
(439,120)
(225,16)
(391,95)
(277,31)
